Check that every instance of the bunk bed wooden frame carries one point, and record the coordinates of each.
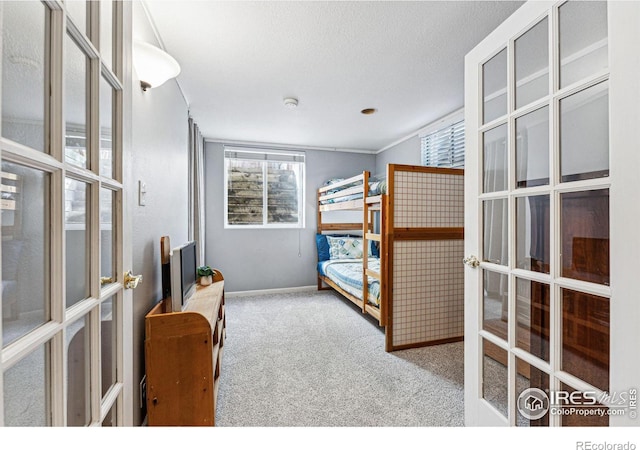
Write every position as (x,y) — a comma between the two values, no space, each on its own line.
(387,235)
(368,205)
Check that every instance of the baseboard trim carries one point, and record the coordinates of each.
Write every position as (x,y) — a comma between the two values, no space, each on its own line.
(271,291)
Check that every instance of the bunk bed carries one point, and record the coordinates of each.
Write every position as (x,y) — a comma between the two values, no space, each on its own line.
(401,262)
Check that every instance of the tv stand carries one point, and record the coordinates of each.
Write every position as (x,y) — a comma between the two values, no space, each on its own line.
(183,355)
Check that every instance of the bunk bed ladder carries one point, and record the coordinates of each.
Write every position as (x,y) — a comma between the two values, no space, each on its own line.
(365,241)
(382,247)
(368,221)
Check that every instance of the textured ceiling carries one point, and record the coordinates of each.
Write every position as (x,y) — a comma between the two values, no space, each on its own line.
(240,59)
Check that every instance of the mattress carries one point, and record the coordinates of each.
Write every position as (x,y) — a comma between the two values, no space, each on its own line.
(347,273)
(376,187)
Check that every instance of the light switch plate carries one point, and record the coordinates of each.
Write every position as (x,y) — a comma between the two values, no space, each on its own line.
(142,193)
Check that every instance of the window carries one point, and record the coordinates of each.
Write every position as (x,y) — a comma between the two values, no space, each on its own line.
(263,189)
(444,147)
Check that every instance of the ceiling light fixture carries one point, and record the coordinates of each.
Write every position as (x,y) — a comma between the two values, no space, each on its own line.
(368,111)
(153,65)
(290,102)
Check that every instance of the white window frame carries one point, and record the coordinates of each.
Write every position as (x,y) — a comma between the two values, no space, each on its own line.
(436,127)
(272,155)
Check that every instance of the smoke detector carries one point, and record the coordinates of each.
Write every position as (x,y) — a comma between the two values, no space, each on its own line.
(291,102)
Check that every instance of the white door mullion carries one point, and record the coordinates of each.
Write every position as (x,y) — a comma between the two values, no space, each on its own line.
(21,154)
(56,146)
(57,370)
(555,321)
(55,97)
(94,247)
(93,119)
(95,373)
(93,230)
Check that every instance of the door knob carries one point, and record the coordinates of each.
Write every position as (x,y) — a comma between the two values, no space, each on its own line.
(471,261)
(131,281)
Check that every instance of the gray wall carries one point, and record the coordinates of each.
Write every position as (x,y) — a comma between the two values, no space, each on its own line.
(160,159)
(256,259)
(406,152)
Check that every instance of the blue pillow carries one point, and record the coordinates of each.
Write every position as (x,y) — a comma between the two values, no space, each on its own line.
(375,250)
(323,247)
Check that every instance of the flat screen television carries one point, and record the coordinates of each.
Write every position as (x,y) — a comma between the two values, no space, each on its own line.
(183,274)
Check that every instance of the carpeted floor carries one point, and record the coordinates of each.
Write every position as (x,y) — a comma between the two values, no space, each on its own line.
(312,359)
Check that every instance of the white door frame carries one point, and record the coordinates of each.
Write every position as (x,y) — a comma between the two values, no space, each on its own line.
(127,212)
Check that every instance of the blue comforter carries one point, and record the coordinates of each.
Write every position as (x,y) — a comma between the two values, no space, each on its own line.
(347,273)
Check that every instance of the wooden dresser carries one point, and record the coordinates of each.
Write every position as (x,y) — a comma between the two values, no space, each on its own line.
(183,355)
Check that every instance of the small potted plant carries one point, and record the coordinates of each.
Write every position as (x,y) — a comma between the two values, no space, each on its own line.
(206,275)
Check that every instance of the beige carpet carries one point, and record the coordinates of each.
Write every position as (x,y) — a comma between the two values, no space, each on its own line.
(312,359)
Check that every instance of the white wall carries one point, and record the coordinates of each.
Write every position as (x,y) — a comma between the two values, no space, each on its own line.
(256,259)
(406,152)
(160,159)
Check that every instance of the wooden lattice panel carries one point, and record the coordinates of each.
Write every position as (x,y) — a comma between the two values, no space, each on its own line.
(428,200)
(428,291)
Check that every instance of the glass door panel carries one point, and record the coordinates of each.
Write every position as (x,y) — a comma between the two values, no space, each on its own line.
(532,64)
(106,32)
(75,104)
(23,72)
(533,234)
(107,234)
(584,134)
(532,386)
(78,373)
(27,390)
(25,250)
(598,418)
(77,241)
(495,304)
(533,317)
(495,377)
(495,157)
(108,344)
(496,242)
(583,40)
(584,235)
(532,149)
(106,128)
(585,337)
(494,87)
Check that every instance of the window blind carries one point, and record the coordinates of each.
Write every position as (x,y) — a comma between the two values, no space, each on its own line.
(262,155)
(444,147)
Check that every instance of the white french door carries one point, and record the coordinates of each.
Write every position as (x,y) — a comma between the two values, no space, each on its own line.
(64,339)
(552,110)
